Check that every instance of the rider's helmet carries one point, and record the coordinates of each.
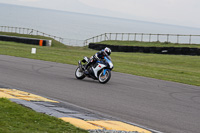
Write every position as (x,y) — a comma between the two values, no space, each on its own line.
(107,50)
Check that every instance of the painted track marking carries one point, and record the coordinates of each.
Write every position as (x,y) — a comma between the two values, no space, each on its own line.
(83,124)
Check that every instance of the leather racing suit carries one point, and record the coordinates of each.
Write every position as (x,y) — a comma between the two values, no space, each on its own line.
(98,56)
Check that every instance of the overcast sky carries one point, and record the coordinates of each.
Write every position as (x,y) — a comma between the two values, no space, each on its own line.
(177,12)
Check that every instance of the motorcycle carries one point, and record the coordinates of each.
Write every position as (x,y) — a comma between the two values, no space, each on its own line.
(99,70)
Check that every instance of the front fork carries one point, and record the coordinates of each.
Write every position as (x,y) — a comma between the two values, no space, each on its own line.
(80,65)
(104,71)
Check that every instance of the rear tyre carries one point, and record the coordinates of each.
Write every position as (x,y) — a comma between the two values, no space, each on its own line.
(79,74)
(104,78)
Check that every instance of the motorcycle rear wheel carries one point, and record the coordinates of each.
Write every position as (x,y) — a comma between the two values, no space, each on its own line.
(79,74)
(104,78)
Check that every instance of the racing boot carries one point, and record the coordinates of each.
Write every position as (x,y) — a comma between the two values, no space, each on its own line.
(86,69)
(86,72)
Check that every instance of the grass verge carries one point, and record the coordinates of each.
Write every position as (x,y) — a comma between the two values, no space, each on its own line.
(148,44)
(17,119)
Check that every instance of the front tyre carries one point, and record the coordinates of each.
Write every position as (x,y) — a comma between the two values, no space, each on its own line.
(104,78)
(79,74)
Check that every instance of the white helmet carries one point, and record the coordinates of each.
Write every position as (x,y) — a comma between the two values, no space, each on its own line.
(107,50)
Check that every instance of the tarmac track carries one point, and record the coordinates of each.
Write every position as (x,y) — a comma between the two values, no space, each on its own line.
(161,105)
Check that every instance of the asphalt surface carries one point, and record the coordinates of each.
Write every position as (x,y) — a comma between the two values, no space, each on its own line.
(161,105)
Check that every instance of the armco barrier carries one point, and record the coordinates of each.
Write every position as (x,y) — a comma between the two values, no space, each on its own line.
(33,41)
(157,50)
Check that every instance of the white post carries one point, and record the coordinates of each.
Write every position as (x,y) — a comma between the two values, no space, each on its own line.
(33,51)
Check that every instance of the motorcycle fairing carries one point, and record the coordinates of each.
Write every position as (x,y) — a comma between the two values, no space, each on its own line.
(109,62)
(97,68)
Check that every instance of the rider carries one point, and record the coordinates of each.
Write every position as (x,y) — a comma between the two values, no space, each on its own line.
(98,56)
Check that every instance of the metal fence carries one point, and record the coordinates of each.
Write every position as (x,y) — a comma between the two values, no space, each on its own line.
(28,31)
(143,37)
(146,37)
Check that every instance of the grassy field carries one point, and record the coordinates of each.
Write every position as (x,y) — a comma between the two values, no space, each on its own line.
(178,68)
(149,44)
(17,119)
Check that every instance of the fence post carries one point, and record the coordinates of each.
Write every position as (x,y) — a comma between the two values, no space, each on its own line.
(135,37)
(157,37)
(97,38)
(61,40)
(101,38)
(116,37)
(190,40)
(128,36)
(177,39)
(110,37)
(122,36)
(149,37)
(142,37)
(167,37)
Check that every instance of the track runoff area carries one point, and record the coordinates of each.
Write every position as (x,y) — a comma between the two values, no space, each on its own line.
(84,121)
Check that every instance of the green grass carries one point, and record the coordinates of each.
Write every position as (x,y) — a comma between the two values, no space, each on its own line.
(148,44)
(65,54)
(183,69)
(178,68)
(17,119)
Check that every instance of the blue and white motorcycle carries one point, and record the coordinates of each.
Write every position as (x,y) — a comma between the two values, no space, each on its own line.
(99,70)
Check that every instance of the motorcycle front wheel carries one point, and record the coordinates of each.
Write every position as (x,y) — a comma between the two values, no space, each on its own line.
(104,78)
(79,74)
